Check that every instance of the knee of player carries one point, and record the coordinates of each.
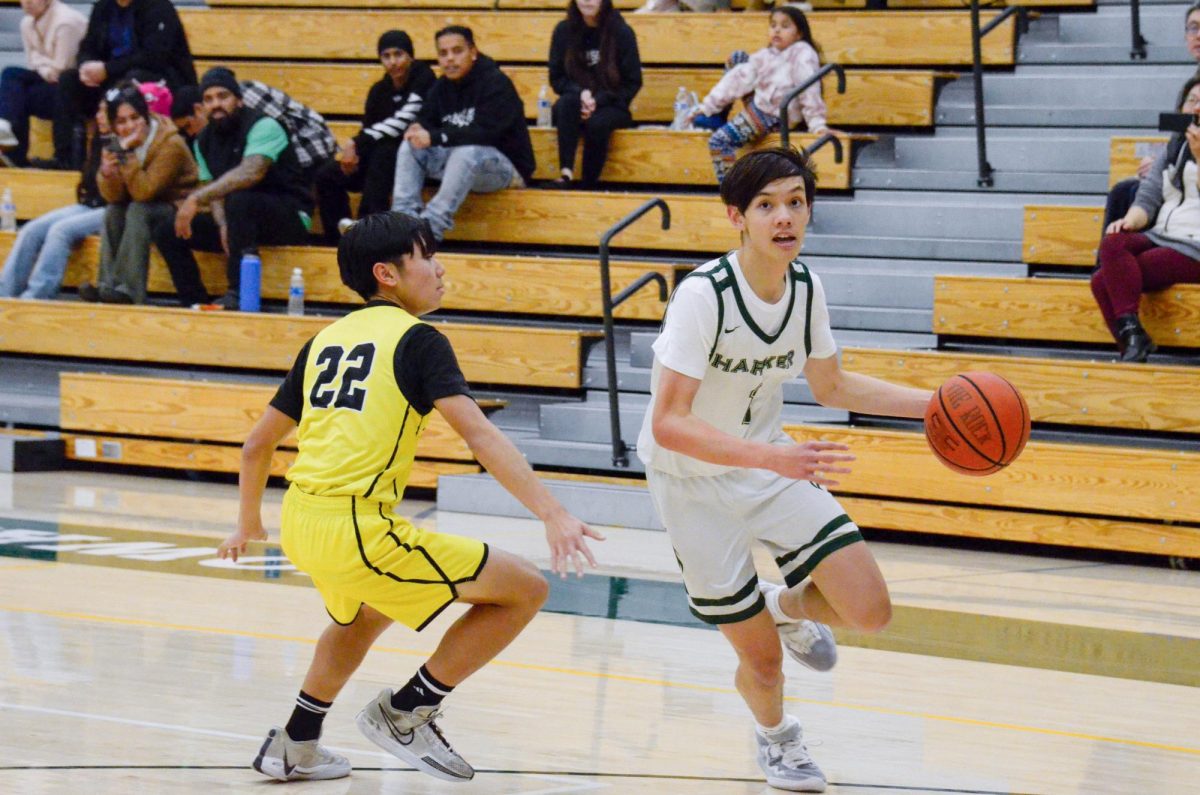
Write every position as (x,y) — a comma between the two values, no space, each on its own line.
(874,617)
(765,665)
(537,589)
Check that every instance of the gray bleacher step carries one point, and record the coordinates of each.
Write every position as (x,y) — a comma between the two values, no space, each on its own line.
(1047,53)
(966,179)
(879,319)
(1144,118)
(588,421)
(1033,150)
(641,355)
(556,454)
(939,248)
(1159,24)
(595,503)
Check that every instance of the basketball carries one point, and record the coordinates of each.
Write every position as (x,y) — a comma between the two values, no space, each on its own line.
(977,423)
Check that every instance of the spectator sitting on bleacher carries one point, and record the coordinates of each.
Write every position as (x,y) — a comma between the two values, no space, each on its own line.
(596,71)
(790,58)
(1121,195)
(470,134)
(38,260)
(141,176)
(255,192)
(140,40)
(187,112)
(672,6)
(368,161)
(1133,262)
(312,140)
(50,33)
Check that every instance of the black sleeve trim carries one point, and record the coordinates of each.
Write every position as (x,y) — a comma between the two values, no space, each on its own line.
(289,398)
(426,368)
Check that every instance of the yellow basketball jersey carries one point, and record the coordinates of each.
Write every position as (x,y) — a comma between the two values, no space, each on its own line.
(358,433)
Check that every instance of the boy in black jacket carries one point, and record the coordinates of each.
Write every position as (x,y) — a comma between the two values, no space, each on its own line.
(368,162)
(470,134)
(138,39)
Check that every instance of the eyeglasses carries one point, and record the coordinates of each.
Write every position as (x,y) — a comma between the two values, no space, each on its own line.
(1192,30)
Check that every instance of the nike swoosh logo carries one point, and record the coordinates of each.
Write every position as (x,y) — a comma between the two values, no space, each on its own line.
(287,769)
(399,735)
(731,330)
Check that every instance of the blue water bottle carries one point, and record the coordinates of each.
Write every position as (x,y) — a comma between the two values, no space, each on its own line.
(250,290)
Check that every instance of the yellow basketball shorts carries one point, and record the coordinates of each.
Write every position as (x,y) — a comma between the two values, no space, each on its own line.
(358,552)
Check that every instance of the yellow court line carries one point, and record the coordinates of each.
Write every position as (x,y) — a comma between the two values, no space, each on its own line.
(1015,727)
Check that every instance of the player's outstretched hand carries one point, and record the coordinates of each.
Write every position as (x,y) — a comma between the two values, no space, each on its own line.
(567,537)
(811,461)
(236,544)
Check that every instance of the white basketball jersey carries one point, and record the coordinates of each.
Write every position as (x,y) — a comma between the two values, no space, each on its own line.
(741,349)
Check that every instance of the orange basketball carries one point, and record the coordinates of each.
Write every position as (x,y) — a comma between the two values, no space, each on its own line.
(977,423)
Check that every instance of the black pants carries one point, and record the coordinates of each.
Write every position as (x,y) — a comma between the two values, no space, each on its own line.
(253,219)
(596,131)
(374,177)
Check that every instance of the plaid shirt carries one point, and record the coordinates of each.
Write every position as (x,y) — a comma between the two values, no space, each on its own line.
(312,140)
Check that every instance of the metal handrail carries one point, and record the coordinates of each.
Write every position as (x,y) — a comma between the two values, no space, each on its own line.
(977,33)
(827,138)
(620,450)
(1137,49)
(784,124)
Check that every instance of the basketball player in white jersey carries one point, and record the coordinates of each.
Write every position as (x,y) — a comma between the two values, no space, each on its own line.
(722,473)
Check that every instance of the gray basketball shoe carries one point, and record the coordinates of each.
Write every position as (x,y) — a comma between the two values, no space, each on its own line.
(412,737)
(286,759)
(786,763)
(807,642)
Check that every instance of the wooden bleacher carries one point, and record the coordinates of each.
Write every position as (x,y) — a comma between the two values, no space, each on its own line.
(848,38)
(624,5)
(175,423)
(489,354)
(1060,391)
(873,98)
(1058,310)
(1062,235)
(1126,152)
(503,284)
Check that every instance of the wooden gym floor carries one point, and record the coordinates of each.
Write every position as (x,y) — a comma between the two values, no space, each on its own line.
(130,663)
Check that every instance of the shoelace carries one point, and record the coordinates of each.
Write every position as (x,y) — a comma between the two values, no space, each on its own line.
(437,729)
(795,754)
(803,634)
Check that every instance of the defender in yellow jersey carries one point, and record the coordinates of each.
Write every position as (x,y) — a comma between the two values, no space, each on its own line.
(359,395)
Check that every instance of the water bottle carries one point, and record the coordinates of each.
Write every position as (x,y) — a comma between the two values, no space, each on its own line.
(8,212)
(296,293)
(250,290)
(682,106)
(543,107)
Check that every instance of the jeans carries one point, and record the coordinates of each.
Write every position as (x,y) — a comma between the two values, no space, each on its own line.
(23,93)
(462,169)
(252,219)
(38,260)
(125,245)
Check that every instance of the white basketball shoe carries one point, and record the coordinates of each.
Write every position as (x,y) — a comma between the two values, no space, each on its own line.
(807,642)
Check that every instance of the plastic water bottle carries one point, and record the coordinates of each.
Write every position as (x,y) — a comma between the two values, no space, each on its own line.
(543,107)
(296,293)
(683,105)
(8,212)
(250,289)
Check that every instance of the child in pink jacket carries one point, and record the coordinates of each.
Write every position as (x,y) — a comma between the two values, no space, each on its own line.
(771,73)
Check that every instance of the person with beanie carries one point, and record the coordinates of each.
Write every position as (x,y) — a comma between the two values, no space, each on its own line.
(254,190)
(139,40)
(368,160)
(470,134)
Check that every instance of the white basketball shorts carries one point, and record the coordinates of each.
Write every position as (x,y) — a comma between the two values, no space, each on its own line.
(712,522)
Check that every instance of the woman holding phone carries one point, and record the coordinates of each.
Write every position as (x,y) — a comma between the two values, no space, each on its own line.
(142,173)
(1157,243)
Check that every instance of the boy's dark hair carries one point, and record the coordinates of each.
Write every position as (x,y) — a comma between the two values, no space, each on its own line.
(382,237)
(801,22)
(755,170)
(456,30)
(185,101)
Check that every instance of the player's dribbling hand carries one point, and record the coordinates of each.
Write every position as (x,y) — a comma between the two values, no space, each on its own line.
(236,544)
(811,461)
(567,537)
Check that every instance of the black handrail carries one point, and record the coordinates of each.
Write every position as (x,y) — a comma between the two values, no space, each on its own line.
(985,168)
(827,138)
(784,124)
(1138,48)
(620,450)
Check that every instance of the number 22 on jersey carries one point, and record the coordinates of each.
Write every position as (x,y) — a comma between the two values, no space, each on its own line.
(348,391)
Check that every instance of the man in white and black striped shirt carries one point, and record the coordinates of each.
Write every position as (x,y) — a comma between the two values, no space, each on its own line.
(368,161)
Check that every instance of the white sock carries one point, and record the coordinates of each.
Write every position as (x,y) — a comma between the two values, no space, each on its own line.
(787,721)
(772,592)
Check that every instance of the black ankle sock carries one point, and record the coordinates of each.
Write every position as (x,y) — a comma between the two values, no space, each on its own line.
(421,691)
(307,717)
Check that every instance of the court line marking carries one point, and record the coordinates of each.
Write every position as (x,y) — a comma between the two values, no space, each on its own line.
(954,719)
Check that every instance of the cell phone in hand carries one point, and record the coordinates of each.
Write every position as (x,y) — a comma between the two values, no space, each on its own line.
(1175,122)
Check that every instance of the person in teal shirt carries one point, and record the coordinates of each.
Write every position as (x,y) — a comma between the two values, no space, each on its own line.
(252,188)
